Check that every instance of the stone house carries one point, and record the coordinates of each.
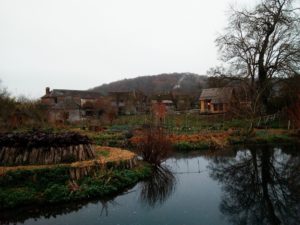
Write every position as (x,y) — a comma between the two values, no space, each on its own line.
(217,100)
(69,105)
(129,102)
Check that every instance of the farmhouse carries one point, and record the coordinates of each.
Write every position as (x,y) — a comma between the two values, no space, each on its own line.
(128,102)
(69,105)
(217,100)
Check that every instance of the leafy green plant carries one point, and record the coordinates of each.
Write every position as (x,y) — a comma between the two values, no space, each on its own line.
(57,193)
(42,186)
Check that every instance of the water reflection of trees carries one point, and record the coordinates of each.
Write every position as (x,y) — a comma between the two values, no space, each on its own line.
(51,211)
(158,188)
(260,186)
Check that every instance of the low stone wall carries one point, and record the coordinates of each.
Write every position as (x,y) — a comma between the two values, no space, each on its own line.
(45,155)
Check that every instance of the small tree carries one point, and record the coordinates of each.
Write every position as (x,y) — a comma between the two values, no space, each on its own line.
(159,112)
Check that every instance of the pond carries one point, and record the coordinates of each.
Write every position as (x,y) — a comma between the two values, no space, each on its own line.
(257,185)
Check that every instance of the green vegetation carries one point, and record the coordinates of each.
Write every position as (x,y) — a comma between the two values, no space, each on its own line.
(187,146)
(103,152)
(194,123)
(109,138)
(40,186)
(262,136)
(189,124)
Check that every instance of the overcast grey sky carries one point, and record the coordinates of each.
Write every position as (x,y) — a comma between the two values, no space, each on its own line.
(79,44)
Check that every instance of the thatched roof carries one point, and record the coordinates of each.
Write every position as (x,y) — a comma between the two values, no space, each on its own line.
(217,95)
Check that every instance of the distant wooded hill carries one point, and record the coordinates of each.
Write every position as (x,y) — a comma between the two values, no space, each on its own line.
(185,83)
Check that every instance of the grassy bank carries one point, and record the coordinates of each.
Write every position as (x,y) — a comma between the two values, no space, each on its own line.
(44,186)
(188,146)
(221,140)
(271,137)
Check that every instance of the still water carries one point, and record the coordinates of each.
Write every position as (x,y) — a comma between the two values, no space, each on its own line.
(257,185)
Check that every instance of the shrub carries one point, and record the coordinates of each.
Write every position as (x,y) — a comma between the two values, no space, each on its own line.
(154,146)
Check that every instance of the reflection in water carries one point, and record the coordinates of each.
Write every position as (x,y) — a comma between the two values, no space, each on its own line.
(158,188)
(51,211)
(260,186)
(104,204)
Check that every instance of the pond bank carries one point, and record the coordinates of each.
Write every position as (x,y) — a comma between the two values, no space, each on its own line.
(111,172)
(229,139)
(204,182)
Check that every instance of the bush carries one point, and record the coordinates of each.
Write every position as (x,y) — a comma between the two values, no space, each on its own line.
(154,146)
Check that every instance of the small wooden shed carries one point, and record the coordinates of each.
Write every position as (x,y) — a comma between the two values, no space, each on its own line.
(216,100)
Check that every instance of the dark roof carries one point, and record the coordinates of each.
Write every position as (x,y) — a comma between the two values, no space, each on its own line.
(73,93)
(217,95)
(162,96)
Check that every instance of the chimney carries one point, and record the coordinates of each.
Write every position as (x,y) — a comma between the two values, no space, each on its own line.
(47,90)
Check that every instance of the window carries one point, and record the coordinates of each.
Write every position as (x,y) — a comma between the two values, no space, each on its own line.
(89,113)
(208,105)
(221,107)
(216,107)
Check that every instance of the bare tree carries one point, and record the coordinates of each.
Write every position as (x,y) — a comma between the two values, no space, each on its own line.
(263,43)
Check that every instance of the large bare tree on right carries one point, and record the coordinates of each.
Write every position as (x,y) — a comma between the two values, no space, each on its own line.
(261,44)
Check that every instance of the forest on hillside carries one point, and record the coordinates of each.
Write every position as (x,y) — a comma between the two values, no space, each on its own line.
(186,83)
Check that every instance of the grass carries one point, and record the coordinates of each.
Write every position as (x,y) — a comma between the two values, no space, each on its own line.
(108,138)
(104,153)
(181,124)
(265,136)
(188,146)
(124,127)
